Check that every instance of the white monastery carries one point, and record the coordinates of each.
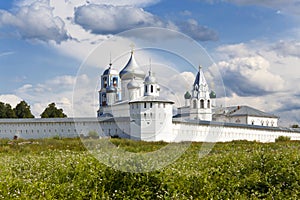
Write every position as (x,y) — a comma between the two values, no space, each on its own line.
(130,106)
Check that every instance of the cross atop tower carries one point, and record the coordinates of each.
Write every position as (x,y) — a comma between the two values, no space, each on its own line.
(110,64)
(132,47)
(200,67)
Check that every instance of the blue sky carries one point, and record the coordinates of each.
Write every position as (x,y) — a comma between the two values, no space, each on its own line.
(254,44)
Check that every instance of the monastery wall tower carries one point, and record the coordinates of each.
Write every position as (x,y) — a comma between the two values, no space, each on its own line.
(151,116)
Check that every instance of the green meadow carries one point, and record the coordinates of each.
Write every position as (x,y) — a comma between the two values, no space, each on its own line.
(64,169)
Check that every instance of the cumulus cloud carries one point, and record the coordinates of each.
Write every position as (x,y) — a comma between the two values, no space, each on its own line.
(287,48)
(58,90)
(258,73)
(176,92)
(35,21)
(88,23)
(248,76)
(11,99)
(109,19)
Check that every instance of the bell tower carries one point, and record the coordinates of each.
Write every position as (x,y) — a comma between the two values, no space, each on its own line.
(109,91)
(200,102)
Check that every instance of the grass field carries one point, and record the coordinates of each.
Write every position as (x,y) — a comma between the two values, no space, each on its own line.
(63,169)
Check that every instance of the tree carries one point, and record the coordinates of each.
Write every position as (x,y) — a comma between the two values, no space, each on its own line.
(22,110)
(10,113)
(2,110)
(52,112)
(6,111)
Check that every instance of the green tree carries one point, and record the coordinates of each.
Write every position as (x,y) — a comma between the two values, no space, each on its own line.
(52,112)
(10,113)
(2,110)
(6,111)
(22,110)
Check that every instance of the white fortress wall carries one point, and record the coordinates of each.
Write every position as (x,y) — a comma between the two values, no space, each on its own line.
(216,132)
(63,127)
(179,130)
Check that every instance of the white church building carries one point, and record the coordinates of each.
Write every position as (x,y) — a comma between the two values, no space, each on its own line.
(130,106)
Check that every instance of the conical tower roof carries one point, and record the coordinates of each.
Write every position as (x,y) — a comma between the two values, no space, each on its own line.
(200,79)
(131,70)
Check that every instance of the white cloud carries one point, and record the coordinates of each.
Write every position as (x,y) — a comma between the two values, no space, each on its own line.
(58,90)
(54,22)
(249,76)
(11,99)
(263,75)
(287,48)
(176,85)
(35,21)
(109,19)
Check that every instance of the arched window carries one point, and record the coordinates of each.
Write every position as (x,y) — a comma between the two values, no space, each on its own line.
(105,82)
(194,104)
(208,104)
(115,81)
(201,103)
(146,88)
(151,88)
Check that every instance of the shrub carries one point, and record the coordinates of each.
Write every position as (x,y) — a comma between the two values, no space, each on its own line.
(93,134)
(283,139)
(295,126)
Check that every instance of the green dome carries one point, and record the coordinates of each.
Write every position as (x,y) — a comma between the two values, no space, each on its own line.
(212,95)
(187,95)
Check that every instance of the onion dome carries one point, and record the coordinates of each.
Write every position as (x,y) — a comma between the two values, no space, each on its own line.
(109,71)
(212,95)
(187,95)
(131,70)
(106,72)
(133,84)
(150,79)
(111,89)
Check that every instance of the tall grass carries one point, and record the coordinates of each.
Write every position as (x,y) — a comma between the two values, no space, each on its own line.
(63,169)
